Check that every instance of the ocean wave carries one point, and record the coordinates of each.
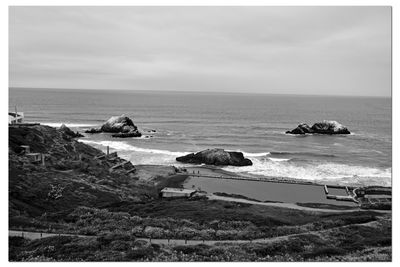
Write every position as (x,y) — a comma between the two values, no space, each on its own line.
(312,154)
(270,164)
(70,125)
(315,171)
(261,154)
(278,159)
(122,146)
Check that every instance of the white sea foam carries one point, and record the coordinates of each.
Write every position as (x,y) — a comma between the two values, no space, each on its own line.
(262,165)
(262,154)
(315,172)
(278,159)
(71,125)
(118,145)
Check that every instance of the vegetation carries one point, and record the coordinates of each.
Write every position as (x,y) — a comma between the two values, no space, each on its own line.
(346,243)
(78,194)
(327,206)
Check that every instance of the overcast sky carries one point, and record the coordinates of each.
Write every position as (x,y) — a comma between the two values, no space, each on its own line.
(279,50)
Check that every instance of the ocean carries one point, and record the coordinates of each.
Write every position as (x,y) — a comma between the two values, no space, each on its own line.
(255,124)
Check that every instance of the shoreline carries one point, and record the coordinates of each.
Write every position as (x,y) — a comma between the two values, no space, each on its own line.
(208,171)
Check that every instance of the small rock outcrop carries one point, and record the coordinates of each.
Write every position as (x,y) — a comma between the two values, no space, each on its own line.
(120,126)
(217,157)
(93,130)
(128,134)
(324,127)
(63,128)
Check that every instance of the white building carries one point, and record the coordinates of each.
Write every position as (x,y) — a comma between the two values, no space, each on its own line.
(176,192)
(34,157)
(15,117)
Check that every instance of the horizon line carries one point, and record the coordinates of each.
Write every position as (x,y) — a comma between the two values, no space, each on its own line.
(196,91)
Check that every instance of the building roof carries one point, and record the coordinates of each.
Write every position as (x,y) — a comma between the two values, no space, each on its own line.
(177,190)
(33,154)
(12,116)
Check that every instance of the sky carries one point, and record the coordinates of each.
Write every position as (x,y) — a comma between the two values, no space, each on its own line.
(275,50)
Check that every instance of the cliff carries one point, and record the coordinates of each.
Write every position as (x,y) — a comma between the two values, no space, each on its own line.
(74,174)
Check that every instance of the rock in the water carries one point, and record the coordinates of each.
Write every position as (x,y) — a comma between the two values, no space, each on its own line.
(120,126)
(216,156)
(93,130)
(325,127)
(128,134)
(301,129)
(69,132)
(329,127)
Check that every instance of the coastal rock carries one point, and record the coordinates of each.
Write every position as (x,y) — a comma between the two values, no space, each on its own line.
(120,126)
(216,156)
(324,127)
(63,128)
(128,134)
(329,127)
(301,129)
(93,130)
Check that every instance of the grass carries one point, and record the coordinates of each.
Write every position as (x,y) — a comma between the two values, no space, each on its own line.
(171,181)
(349,242)
(326,206)
(206,211)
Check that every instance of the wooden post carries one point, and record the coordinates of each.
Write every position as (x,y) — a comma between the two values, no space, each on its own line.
(108,150)
(326,190)
(43,160)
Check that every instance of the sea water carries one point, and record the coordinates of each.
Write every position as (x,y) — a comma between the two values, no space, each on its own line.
(252,123)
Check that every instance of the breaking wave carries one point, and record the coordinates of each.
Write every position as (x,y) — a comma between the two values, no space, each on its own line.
(315,171)
(271,164)
(70,125)
(122,146)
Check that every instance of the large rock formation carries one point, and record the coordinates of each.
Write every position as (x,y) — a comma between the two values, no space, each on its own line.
(120,126)
(63,128)
(216,156)
(324,127)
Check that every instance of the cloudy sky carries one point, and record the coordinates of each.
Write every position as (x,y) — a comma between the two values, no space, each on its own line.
(280,50)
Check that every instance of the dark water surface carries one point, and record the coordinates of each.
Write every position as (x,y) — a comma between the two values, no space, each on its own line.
(268,191)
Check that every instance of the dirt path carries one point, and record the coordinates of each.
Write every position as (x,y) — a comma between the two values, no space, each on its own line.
(182,242)
(175,242)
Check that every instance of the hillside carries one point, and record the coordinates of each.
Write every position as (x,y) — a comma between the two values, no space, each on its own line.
(77,192)
(71,176)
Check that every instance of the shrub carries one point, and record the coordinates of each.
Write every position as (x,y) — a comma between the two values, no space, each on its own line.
(140,254)
(325,251)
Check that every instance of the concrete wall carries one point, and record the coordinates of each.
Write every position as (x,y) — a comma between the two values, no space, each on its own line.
(175,194)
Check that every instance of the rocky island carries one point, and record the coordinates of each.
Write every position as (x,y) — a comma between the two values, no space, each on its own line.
(324,127)
(120,126)
(217,157)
